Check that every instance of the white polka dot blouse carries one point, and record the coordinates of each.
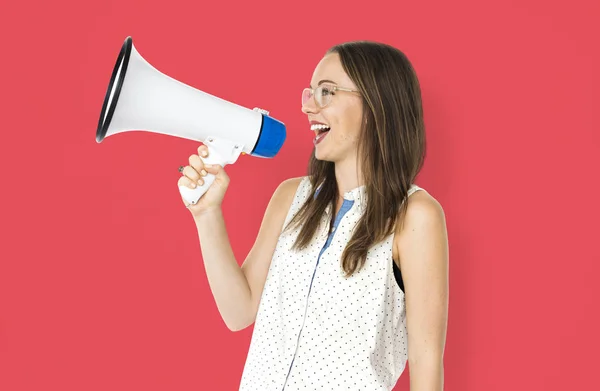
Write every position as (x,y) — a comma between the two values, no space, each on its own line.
(318,330)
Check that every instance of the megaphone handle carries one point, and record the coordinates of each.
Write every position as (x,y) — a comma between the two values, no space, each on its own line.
(214,157)
(193,195)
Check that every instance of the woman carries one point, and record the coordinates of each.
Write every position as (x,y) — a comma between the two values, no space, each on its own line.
(346,282)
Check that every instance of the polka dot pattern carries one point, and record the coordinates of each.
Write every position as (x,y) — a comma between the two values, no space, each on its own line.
(316,329)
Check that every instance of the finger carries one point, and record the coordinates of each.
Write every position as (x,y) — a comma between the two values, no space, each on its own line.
(203,150)
(193,175)
(198,165)
(185,181)
(196,162)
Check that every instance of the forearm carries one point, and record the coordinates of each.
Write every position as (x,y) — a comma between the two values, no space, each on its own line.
(427,375)
(227,282)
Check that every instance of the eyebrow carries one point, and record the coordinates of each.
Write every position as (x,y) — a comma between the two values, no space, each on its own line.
(324,81)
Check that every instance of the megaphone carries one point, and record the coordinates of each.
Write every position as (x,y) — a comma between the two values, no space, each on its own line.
(139,97)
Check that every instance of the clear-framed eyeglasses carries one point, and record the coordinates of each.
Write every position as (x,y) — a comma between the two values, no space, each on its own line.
(322,94)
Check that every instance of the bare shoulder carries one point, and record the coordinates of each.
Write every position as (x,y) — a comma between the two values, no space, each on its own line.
(424,216)
(291,185)
(285,192)
(421,204)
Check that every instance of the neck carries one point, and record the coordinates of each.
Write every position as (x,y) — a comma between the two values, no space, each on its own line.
(348,175)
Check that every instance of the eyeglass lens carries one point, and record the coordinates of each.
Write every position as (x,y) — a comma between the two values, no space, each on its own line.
(322,95)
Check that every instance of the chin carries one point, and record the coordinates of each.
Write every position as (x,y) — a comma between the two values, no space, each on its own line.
(319,155)
(323,152)
(323,157)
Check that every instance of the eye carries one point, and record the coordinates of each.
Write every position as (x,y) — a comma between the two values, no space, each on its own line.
(326,91)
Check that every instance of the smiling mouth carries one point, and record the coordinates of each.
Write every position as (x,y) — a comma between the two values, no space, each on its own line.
(321,134)
(320,130)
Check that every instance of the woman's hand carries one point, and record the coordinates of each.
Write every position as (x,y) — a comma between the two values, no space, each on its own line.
(193,175)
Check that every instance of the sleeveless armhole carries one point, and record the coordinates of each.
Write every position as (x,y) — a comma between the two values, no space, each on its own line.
(397,272)
(299,198)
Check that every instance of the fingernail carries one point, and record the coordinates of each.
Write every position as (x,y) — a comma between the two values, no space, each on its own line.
(193,185)
(208,165)
(203,172)
(204,153)
(200,182)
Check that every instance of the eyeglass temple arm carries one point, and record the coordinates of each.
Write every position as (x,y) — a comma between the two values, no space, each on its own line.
(345,89)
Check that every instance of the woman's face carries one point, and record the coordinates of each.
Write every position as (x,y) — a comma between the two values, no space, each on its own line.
(343,114)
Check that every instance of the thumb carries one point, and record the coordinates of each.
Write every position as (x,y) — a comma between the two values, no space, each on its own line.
(218,171)
(212,168)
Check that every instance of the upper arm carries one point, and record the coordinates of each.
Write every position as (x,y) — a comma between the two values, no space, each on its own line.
(256,265)
(422,246)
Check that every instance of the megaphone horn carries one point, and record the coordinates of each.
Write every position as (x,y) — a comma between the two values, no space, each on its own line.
(139,97)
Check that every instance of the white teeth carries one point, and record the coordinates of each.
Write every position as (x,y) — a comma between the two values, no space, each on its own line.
(318,127)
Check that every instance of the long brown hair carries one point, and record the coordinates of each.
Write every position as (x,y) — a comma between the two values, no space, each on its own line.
(391,144)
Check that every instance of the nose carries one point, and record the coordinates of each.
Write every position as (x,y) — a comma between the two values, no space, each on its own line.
(310,106)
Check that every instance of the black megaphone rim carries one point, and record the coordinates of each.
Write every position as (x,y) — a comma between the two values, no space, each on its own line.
(124,55)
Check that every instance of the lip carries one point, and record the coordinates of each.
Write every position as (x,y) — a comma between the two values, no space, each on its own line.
(320,139)
(317,123)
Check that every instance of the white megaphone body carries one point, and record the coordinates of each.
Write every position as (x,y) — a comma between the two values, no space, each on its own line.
(139,97)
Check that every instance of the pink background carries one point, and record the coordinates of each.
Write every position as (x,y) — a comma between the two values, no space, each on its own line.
(102,285)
